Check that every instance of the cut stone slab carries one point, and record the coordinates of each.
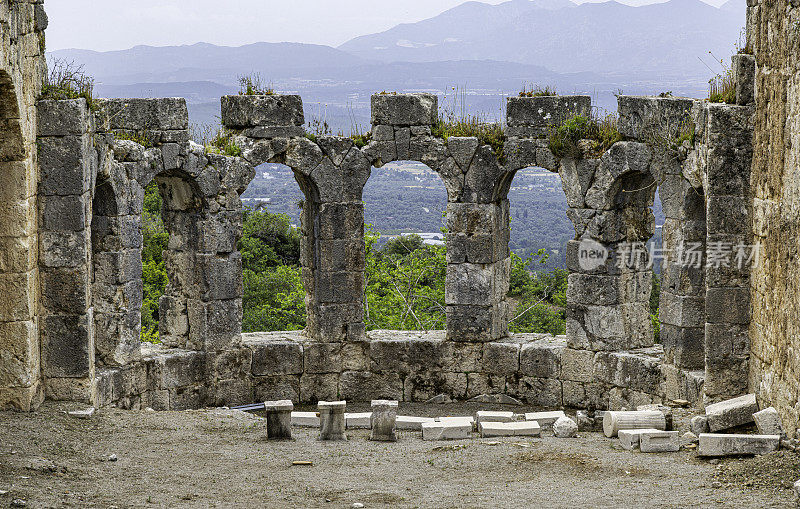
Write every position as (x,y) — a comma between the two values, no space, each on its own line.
(718,444)
(545,419)
(510,429)
(82,414)
(446,431)
(305,419)
(769,422)
(629,438)
(360,420)
(457,420)
(405,422)
(489,416)
(659,441)
(731,413)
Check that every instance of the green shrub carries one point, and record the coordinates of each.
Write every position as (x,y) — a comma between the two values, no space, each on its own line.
(66,80)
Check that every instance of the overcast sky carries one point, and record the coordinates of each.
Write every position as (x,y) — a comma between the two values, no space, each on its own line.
(120,24)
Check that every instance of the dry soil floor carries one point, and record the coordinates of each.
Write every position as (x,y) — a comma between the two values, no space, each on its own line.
(218,458)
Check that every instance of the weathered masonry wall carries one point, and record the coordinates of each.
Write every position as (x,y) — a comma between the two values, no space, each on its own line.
(775,331)
(22,69)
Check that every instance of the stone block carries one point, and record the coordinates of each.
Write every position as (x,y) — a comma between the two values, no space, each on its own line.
(509,429)
(269,132)
(659,441)
(404,109)
(546,392)
(542,359)
(728,305)
(19,354)
(271,357)
(545,419)
(366,386)
(476,323)
(577,365)
(277,387)
(305,419)
(66,165)
(67,346)
(244,111)
(744,69)
(183,368)
(535,116)
(64,213)
(143,114)
(411,423)
(383,421)
(768,422)
(638,372)
(322,358)
(318,387)
(653,118)
(446,431)
(214,326)
(62,118)
(699,424)
(423,385)
(731,413)
(500,358)
(629,438)
(357,420)
(493,416)
(332,420)
(565,427)
(717,445)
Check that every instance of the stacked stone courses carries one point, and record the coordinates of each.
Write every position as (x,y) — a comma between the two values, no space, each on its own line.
(70,311)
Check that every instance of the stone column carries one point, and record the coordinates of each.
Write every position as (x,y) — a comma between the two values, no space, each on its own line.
(331,420)
(383,421)
(729,255)
(68,166)
(331,172)
(279,419)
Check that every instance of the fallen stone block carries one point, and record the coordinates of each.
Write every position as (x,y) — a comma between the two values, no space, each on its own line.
(629,438)
(545,419)
(659,441)
(405,422)
(510,429)
(614,422)
(446,431)
(305,419)
(731,413)
(360,420)
(565,427)
(488,416)
(456,420)
(717,444)
(699,424)
(769,422)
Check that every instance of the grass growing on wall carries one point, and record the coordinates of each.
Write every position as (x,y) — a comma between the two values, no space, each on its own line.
(601,132)
(252,84)
(456,121)
(66,80)
(538,91)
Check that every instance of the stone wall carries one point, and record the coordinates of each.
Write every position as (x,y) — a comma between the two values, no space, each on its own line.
(22,72)
(775,331)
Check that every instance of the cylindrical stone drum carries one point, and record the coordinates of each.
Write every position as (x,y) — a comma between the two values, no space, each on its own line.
(613,422)
(331,420)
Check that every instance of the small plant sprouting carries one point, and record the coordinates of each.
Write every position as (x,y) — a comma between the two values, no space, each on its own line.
(601,132)
(722,87)
(217,140)
(665,94)
(538,91)
(252,84)
(139,137)
(318,124)
(66,80)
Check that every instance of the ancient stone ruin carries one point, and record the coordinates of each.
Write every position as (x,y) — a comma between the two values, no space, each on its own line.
(70,267)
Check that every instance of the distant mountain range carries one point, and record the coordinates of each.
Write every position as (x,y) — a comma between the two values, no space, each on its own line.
(660,39)
(492,50)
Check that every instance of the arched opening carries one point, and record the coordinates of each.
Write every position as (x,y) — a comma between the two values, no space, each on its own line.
(405,205)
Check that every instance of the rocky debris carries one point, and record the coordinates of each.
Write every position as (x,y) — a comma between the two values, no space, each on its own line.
(768,422)
(454,430)
(82,414)
(18,502)
(731,413)
(689,438)
(590,420)
(797,489)
(439,399)
(699,424)
(564,427)
(112,457)
(715,444)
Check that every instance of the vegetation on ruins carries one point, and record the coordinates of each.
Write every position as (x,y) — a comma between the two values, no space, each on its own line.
(216,140)
(66,80)
(538,91)
(252,84)
(134,136)
(154,273)
(722,87)
(455,120)
(600,131)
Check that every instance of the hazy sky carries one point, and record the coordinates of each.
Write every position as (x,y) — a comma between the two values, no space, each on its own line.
(120,24)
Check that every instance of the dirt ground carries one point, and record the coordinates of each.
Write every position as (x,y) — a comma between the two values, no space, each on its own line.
(219,458)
